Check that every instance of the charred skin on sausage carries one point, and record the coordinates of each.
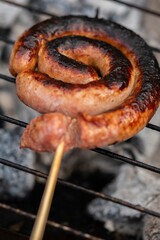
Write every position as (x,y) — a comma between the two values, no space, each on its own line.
(94,82)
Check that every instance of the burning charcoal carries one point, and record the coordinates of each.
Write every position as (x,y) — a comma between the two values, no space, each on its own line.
(133,185)
(151,26)
(151,229)
(109,10)
(7,21)
(14,183)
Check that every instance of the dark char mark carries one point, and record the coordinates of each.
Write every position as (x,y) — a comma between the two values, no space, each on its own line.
(120,71)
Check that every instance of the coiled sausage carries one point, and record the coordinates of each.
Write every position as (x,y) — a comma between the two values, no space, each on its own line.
(94,81)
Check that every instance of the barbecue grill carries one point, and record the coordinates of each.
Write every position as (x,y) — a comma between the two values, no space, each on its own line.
(62,223)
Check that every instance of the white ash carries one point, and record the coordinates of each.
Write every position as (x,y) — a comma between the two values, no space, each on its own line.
(14,183)
(126,16)
(151,27)
(87,162)
(9,13)
(130,18)
(131,184)
(151,230)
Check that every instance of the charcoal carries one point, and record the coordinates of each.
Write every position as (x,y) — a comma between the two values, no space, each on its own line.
(14,183)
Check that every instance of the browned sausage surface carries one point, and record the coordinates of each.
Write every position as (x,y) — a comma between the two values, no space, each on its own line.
(94,81)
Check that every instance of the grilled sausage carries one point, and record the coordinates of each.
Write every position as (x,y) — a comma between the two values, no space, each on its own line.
(94,81)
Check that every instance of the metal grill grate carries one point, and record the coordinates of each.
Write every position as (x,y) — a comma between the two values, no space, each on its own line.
(98,150)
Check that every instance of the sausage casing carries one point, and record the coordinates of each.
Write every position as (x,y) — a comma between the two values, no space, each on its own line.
(93,79)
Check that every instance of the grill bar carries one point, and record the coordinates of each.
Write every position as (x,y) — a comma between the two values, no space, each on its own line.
(155,13)
(13,121)
(98,150)
(153,127)
(31,9)
(155,49)
(8,41)
(82,189)
(127,160)
(49,223)
(8,119)
(39,11)
(7,78)
(115,200)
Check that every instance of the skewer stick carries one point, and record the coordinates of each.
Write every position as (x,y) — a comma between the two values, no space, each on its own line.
(44,208)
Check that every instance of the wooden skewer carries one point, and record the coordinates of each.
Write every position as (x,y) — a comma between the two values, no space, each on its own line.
(44,208)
